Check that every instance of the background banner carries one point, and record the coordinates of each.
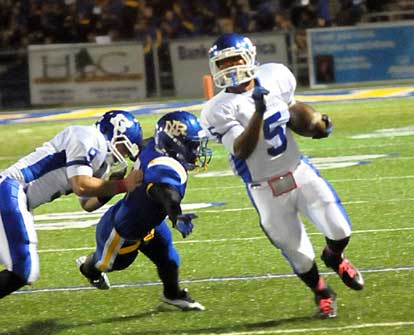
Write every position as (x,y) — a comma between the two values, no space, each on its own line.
(361,54)
(89,73)
(189,59)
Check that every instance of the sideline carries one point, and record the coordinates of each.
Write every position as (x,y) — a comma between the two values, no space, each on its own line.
(325,96)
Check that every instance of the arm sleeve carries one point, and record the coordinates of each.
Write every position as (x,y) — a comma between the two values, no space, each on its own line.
(166,179)
(169,197)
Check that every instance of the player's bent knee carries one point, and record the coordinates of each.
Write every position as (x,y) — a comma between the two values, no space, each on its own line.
(123,261)
(339,232)
(27,274)
(299,262)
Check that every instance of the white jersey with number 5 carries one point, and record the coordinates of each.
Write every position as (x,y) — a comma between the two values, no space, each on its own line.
(227,114)
(44,173)
(280,182)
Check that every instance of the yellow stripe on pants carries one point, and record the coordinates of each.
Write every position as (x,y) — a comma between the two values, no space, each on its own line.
(112,246)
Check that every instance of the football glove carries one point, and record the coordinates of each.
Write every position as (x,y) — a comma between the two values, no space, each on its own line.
(184,223)
(328,128)
(258,96)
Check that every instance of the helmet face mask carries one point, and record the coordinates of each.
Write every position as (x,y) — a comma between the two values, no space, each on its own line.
(123,134)
(229,46)
(179,135)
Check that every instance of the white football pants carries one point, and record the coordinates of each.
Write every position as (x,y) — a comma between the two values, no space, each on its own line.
(18,239)
(280,215)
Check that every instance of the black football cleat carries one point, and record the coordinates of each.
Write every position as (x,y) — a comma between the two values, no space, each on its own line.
(345,270)
(101,282)
(183,301)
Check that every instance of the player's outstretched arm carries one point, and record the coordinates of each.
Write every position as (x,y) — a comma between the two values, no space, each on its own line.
(86,186)
(93,203)
(306,121)
(171,199)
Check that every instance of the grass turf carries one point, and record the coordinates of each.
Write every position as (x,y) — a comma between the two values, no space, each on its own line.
(227,263)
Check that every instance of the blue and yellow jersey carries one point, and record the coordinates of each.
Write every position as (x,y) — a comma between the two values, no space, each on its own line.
(136,214)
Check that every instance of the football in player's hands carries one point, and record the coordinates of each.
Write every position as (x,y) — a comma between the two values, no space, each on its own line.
(324,131)
(306,121)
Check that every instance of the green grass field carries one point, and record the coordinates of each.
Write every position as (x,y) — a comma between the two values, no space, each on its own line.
(227,263)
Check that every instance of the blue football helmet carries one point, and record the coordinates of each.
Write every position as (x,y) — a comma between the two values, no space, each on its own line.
(120,127)
(179,135)
(227,46)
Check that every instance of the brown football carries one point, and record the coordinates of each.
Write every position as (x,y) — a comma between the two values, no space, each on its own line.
(303,119)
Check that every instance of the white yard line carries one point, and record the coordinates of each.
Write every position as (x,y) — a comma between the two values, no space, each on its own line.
(98,213)
(332,330)
(202,280)
(363,231)
(91,219)
(342,180)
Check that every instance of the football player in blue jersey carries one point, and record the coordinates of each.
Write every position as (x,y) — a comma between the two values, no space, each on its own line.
(137,223)
(76,160)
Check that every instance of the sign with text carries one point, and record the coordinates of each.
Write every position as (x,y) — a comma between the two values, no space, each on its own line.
(189,59)
(362,53)
(79,73)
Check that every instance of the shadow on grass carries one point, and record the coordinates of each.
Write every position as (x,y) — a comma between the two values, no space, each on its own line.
(54,327)
(44,327)
(251,327)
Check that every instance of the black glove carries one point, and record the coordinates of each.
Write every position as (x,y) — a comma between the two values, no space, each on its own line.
(258,96)
(184,223)
(328,128)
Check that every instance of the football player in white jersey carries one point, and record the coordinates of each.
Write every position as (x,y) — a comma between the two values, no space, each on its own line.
(76,160)
(253,117)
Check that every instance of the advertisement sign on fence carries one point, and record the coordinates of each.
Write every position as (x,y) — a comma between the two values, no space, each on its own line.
(189,59)
(86,73)
(363,53)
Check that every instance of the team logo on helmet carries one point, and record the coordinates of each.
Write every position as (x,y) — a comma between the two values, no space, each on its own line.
(175,128)
(121,123)
(120,128)
(179,135)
